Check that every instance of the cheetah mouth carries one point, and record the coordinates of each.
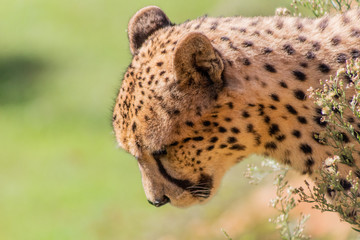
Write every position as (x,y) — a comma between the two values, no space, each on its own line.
(201,189)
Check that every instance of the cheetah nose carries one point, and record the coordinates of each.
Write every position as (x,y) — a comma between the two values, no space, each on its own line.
(159,202)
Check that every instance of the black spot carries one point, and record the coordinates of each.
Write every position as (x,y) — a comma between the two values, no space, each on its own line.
(209,148)
(198,152)
(323,24)
(227,119)
(224,39)
(230,104)
(257,139)
(317,119)
(266,50)
(214,25)
(345,184)
(261,109)
(335,41)
(235,130)
(296,133)
(231,140)
(272,107)
(279,24)
(324,68)
(302,120)
(309,162)
(306,148)
(341,58)
(271,145)
(316,46)
(270,68)
(159,64)
(250,128)
(304,65)
(331,192)
(289,49)
(280,138)
(189,123)
(346,159)
(214,139)
(174,144)
(291,109)
(287,161)
(274,97)
(199,138)
(355,53)
(247,44)
(355,33)
(238,147)
(222,129)
(223,146)
(299,94)
(186,140)
(344,137)
(133,126)
(357,173)
(246,62)
(302,39)
(206,123)
(273,129)
(299,75)
(317,139)
(245,114)
(310,55)
(318,110)
(266,119)
(283,84)
(347,78)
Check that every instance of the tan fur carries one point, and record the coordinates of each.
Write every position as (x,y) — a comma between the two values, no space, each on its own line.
(200,96)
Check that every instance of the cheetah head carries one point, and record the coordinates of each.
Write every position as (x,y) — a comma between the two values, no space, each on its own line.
(163,111)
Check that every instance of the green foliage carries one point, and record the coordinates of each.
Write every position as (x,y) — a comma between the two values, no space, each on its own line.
(338,95)
(322,7)
(284,201)
(226,234)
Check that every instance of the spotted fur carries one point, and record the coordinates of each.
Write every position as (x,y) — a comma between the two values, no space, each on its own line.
(200,96)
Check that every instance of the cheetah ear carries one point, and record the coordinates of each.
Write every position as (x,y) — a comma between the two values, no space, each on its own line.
(145,22)
(196,62)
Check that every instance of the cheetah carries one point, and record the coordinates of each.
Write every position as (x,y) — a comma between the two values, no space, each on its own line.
(200,96)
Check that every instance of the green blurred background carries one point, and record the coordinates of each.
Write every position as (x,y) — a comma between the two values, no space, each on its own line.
(61,173)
